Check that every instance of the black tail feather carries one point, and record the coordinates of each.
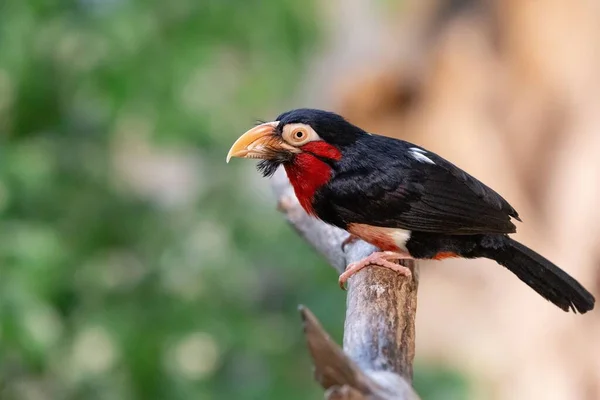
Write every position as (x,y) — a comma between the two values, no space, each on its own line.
(541,275)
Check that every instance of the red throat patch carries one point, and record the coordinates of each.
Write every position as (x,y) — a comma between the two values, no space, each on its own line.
(307,173)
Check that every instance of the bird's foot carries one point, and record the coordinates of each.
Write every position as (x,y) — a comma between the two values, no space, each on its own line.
(349,240)
(382,259)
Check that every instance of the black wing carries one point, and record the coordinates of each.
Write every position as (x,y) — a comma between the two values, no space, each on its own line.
(392,183)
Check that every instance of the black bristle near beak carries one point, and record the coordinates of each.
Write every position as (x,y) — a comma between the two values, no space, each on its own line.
(267,167)
(274,157)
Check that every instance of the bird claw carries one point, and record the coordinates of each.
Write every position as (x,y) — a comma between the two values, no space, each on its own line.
(381,259)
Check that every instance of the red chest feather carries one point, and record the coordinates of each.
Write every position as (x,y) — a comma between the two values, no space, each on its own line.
(307,173)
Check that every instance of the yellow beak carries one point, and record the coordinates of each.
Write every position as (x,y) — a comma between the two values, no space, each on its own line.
(252,143)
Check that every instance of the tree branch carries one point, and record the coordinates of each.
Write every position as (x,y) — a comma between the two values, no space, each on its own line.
(379,332)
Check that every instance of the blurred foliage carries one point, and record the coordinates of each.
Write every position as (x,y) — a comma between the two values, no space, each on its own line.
(437,382)
(134,263)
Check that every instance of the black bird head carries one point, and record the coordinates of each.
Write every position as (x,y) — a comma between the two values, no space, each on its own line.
(330,127)
(320,134)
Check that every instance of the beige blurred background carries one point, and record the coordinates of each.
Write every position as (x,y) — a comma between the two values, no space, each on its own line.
(136,264)
(509,91)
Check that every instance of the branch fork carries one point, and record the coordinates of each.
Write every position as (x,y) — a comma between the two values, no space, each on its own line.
(379,331)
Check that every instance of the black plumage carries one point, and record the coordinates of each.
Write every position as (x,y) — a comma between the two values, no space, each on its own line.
(379,183)
(537,272)
(393,183)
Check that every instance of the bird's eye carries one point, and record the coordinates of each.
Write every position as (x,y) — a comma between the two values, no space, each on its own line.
(299,135)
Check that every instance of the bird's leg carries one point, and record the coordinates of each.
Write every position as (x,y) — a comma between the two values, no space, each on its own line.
(349,240)
(382,259)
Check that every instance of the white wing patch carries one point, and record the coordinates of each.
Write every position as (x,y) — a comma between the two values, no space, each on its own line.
(419,155)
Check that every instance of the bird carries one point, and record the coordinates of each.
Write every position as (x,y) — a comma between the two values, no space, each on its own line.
(405,200)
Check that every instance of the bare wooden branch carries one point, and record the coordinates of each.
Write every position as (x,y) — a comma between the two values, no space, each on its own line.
(340,376)
(332,367)
(379,332)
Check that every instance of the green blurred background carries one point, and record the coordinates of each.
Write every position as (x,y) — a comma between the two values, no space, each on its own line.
(134,263)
